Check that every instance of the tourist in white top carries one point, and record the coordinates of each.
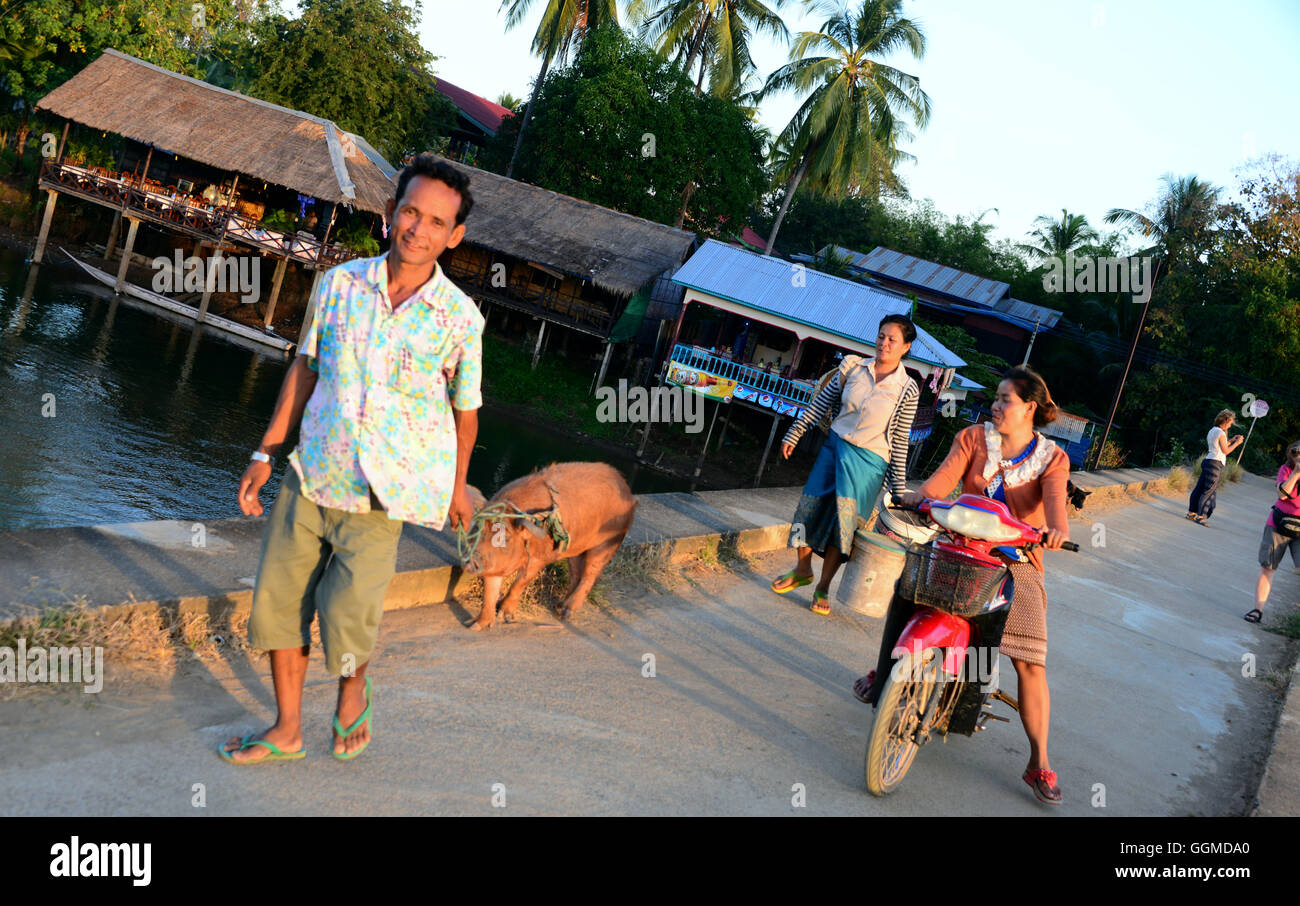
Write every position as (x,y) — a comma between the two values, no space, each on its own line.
(1201,504)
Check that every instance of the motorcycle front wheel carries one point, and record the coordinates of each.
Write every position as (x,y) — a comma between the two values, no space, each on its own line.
(905,708)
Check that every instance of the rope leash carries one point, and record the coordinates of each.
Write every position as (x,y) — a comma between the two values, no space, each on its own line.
(548,520)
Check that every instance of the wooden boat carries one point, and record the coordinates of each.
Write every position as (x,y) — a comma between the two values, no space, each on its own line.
(265,337)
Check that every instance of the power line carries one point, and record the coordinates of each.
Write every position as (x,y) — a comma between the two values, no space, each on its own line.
(1190,367)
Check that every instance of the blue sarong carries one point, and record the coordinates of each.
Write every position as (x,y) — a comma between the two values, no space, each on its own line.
(844,482)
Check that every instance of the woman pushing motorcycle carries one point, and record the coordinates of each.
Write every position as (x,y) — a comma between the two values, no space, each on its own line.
(1006,459)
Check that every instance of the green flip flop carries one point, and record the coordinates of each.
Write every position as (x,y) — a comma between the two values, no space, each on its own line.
(344,734)
(795,582)
(821,604)
(277,754)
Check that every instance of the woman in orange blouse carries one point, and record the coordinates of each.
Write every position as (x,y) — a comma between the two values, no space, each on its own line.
(1007,459)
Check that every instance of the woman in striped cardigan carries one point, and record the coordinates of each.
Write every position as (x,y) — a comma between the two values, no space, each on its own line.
(871,403)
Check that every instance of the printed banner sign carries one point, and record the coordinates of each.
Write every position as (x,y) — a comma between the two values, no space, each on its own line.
(701,382)
(768,401)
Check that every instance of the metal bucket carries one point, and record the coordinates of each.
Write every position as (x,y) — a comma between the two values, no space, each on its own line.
(869,577)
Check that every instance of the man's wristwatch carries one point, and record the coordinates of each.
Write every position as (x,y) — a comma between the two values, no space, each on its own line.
(259,456)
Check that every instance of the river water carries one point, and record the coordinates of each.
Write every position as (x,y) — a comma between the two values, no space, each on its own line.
(111,411)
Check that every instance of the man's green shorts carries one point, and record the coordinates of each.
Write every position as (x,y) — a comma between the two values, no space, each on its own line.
(321,560)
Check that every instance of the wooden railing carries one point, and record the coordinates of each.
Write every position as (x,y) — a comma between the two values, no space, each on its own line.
(562,307)
(150,201)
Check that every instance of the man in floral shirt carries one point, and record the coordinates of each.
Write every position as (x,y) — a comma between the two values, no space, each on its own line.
(385,390)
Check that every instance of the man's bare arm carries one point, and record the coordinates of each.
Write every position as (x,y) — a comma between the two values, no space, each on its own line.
(294,394)
(466,433)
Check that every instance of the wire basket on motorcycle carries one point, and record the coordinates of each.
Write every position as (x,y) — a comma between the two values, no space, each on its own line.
(947,580)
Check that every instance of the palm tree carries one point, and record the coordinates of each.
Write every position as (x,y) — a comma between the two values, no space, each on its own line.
(844,137)
(508,100)
(1186,209)
(1058,238)
(1185,212)
(564,23)
(717,32)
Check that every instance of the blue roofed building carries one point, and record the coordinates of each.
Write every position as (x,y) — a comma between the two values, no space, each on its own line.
(1000,324)
(761,331)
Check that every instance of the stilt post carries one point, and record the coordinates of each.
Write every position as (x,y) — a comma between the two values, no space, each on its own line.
(126,254)
(604,363)
(275,289)
(113,233)
(310,314)
(771,435)
(215,261)
(214,265)
(45,226)
(537,350)
(699,464)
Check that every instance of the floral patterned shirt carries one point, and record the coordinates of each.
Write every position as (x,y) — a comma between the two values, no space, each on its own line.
(380,416)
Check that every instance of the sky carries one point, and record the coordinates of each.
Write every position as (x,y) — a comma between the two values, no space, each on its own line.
(1037,105)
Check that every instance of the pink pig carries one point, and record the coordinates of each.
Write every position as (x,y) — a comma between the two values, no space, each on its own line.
(596,509)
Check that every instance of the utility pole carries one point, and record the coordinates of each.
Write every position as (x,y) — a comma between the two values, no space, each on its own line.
(1031,340)
(1132,349)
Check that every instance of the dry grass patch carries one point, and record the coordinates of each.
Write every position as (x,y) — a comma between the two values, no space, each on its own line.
(1276,681)
(135,636)
(645,567)
(136,639)
(1180,478)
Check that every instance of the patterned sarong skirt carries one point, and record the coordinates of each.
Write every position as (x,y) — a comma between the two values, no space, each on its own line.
(844,483)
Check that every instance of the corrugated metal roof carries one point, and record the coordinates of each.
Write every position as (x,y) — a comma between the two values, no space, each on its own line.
(832,304)
(1029,312)
(960,382)
(932,276)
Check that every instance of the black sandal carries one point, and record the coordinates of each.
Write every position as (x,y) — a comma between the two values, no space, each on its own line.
(1254,616)
(868,681)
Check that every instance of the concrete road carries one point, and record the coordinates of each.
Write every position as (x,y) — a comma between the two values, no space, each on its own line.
(749,704)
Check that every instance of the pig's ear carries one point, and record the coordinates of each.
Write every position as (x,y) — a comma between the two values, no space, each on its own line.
(535,528)
(476,498)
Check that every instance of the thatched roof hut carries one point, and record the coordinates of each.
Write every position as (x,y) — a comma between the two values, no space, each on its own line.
(224,129)
(617,252)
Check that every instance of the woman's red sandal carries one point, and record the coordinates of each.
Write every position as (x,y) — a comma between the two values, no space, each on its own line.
(864,683)
(1043,783)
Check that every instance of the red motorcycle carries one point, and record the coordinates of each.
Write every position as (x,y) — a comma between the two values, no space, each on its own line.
(958,583)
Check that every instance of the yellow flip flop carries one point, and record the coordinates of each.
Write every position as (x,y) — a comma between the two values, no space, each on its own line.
(794,580)
(821,604)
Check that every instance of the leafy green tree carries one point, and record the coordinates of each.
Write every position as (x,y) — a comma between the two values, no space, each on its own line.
(814,221)
(43,44)
(564,24)
(623,127)
(358,63)
(1253,287)
(848,126)
(716,32)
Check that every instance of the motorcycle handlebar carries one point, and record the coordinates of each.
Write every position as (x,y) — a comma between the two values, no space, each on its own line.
(895,505)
